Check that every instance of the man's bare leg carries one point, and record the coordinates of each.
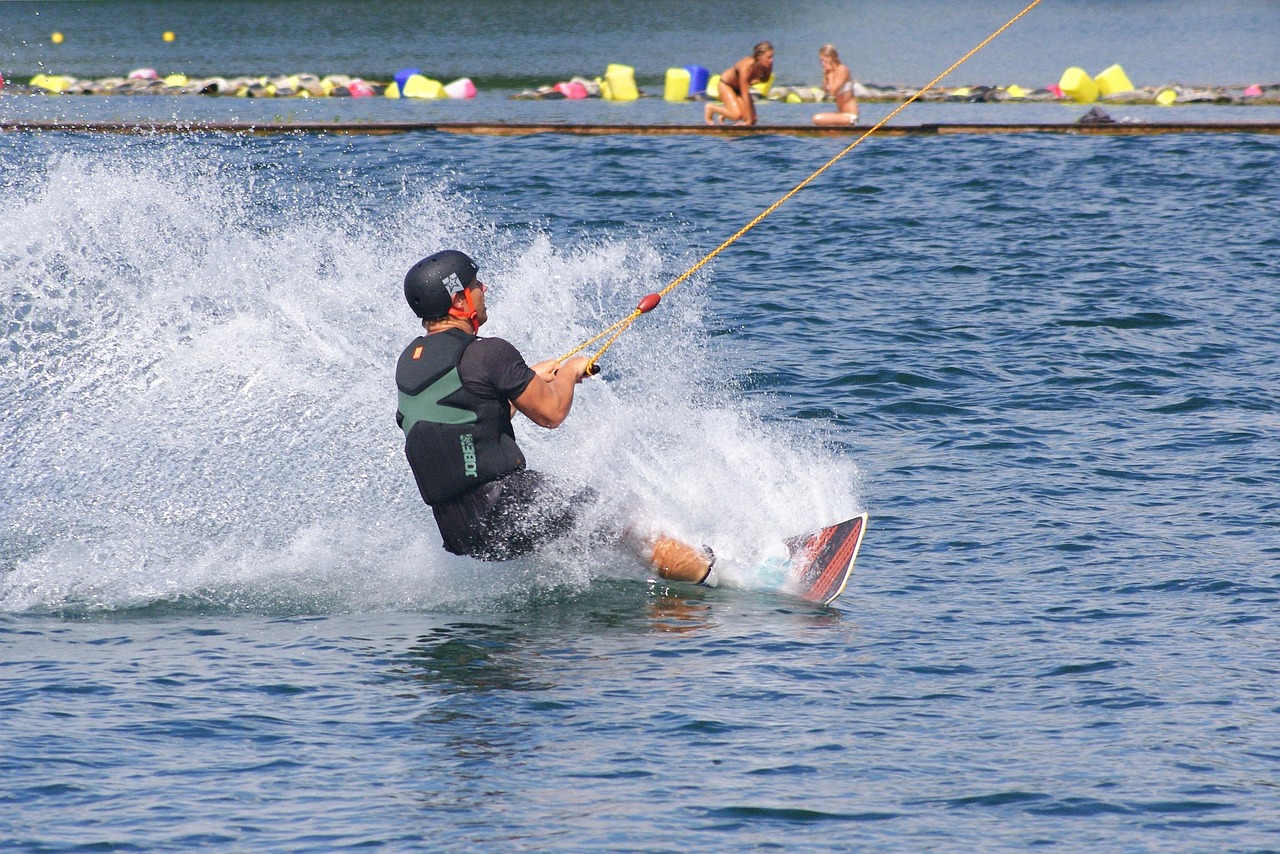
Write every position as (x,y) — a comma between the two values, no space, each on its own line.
(679,561)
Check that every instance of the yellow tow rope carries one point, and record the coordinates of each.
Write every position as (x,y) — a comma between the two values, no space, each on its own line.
(651,300)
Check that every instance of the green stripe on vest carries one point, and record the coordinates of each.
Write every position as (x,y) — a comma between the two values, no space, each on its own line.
(426,405)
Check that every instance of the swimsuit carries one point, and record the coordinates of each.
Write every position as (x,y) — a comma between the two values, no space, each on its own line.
(846,88)
(730,78)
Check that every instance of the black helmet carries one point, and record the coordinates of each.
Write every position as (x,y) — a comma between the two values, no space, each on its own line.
(430,284)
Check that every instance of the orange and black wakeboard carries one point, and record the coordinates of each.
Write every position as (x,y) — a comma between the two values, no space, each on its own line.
(822,561)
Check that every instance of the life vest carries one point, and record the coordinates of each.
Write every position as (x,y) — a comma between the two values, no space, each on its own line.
(454,440)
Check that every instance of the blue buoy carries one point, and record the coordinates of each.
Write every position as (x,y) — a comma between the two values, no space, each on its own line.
(404,74)
(697,80)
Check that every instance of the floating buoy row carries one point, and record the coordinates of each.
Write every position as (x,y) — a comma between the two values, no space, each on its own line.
(1077,85)
(412,83)
(690,82)
(618,84)
(146,81)
(1112,84)
(873,93)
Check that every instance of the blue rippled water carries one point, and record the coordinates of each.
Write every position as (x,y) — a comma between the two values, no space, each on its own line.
(1047,366)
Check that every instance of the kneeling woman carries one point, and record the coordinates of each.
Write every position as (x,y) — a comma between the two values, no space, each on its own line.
(839,84)
(736,103)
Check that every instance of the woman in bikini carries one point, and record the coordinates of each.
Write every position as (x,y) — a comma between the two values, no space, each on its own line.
(837,82)
(736,104)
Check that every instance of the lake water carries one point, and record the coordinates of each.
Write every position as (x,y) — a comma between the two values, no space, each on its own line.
(1047,366)
(500,44)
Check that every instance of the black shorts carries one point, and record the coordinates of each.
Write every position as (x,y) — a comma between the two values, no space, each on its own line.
(509,517)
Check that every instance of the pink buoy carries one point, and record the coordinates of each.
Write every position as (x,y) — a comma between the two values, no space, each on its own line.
(461,88)
(572,91)
(360,89)
(1253,91)
(143,74)
(1056,90)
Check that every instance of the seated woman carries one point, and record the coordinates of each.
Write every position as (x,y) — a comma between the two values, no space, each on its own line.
(735,87)
(837,82)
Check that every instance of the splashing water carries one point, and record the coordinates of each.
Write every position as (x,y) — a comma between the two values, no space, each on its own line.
(197,380)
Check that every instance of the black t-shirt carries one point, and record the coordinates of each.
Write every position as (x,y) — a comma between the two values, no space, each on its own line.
(508,517)
(493,369)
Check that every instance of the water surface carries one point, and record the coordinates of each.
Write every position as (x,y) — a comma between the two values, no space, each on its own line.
(1046,366)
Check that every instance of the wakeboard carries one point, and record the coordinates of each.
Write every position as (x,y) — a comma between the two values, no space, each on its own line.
(819,563)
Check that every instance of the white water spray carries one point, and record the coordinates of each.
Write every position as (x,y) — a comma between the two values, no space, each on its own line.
(200,406)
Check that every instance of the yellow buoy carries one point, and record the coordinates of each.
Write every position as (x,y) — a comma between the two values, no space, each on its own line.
(1079,86)
(52,84)
(420,86)
(713,87)
(622,82)
(1015,91)
(762,88)
(677,85)
(1167,97)
(56,38)
(1113,80)
(168,35)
